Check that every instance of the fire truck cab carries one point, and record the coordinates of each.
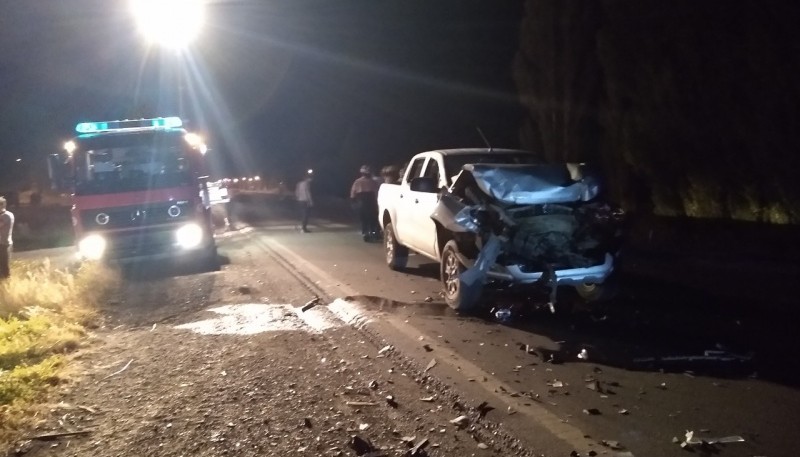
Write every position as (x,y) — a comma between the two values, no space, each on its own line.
(139,190)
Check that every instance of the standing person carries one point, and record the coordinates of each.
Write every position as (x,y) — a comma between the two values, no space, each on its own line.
(6,228)
(364,193)
(304,200)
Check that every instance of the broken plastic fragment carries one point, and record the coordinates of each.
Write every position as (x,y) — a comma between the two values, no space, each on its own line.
(431,364)
(460,420)
(385,349)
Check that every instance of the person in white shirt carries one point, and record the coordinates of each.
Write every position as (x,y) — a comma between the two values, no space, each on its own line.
(6,229)
(304,200)
(364,194)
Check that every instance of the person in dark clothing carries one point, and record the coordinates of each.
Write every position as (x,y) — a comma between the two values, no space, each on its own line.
(364,194)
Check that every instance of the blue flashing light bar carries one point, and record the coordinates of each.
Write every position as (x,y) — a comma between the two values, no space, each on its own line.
(158,122)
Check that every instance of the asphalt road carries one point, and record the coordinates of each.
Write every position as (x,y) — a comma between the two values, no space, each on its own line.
(555,404)
(529,370)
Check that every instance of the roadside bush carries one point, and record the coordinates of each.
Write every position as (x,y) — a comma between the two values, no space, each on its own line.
(43,315)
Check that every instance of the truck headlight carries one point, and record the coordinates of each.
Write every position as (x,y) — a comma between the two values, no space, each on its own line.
(189,236)
(92,247)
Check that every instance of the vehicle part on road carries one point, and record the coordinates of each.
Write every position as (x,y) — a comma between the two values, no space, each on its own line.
(396,253)
(310,304)
(692,440)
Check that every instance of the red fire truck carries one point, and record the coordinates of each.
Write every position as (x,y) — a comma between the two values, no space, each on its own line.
(139,190)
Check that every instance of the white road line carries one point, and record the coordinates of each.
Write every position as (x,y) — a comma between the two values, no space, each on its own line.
(354,314)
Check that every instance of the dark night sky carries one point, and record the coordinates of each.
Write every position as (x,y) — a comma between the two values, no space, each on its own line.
(279,85)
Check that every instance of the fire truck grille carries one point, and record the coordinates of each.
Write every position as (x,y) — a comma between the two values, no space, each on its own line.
(136,215)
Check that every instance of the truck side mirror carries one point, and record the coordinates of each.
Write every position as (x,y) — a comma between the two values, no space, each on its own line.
(423,184)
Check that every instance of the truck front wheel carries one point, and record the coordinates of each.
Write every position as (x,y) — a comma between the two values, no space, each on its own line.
(457,294)
(396,253)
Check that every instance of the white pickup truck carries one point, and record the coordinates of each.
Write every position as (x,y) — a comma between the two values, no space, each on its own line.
(500,215)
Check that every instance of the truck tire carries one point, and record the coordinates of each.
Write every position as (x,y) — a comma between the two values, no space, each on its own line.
(396,253)
(456,294)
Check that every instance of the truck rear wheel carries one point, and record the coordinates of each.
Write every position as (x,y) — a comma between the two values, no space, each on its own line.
(396,253)
(457,294)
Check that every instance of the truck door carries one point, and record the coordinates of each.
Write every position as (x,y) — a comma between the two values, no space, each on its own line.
(423,203)
(405,207)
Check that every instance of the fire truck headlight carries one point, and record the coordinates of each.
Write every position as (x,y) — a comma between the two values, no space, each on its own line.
(92,247)
(189,236)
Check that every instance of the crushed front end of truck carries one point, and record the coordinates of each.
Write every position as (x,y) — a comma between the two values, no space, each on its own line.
(538,225)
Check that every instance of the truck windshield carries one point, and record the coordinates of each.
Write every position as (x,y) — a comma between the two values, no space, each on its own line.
(454,163)
(130,162)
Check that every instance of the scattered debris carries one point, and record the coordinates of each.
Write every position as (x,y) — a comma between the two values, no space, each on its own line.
(427,348)
(624,412)
(511,411)
(88,409)
(592,411)
(363,427)
(460,420)
(710,359)
(361,446)
(373,385)
(483,446)
(307,422)
(361,403)
(245,290)
(310,304)
(428,299)
(503,314)
(594,385)
(153,327)
(428,399)
(419,446)
(391,401)
(612,444)
(431,364)
(555,383)
(119,371)
(692,441)
(483,409)
(662,386)
(385,349)
(50,436)
(583,355)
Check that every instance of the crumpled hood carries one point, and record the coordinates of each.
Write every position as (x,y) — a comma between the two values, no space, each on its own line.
(532,184)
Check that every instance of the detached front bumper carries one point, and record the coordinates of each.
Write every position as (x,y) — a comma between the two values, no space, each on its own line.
(596,274)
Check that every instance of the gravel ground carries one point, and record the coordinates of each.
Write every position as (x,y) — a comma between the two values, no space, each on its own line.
(247,380)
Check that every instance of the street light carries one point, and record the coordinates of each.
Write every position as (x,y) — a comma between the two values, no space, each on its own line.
(170,23)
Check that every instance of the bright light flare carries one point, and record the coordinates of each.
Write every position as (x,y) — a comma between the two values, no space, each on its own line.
(189,236)
(92,247)
(170,23)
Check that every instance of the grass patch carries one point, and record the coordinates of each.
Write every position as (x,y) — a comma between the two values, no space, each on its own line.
(43,315)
